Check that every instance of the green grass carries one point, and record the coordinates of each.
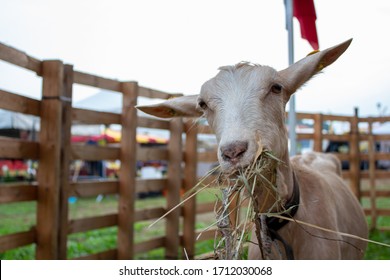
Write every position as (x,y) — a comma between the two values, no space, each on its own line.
(21,253)
(17,217)
(378,252)
(90,242)
(21,216)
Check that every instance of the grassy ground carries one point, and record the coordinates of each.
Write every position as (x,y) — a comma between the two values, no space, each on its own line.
(21,217)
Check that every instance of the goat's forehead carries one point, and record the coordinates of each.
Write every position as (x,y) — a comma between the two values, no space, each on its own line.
(240,77)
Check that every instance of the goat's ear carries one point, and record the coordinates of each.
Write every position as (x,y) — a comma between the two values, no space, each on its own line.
(301,71)
(183,106)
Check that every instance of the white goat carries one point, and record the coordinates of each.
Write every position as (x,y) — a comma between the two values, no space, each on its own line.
(244,103)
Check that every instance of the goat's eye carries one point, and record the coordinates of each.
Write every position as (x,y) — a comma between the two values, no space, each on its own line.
(202,104)
(276,88)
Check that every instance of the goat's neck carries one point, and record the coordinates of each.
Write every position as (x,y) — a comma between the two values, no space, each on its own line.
(285,182)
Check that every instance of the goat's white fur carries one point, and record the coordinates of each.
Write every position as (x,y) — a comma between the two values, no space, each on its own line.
(241,104)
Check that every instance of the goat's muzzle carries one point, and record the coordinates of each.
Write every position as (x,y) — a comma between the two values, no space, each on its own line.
(234,151)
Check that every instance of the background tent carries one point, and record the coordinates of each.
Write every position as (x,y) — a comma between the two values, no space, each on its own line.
(12,124)
(9,119)
(110,101)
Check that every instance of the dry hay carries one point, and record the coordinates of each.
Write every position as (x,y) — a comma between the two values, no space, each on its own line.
(252,191)
(248,196)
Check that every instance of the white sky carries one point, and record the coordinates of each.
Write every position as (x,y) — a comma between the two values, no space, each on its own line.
(176,45)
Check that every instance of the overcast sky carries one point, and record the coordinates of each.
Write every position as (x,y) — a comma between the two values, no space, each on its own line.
(176,45)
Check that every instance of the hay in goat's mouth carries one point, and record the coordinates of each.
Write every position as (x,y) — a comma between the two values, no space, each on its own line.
(246,196)
(239,207)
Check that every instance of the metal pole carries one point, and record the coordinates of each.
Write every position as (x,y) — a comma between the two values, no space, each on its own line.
(291,115)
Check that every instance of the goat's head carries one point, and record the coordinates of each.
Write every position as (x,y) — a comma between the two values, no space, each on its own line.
(245,105)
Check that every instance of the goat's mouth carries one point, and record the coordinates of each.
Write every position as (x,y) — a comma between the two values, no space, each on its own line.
(232,169)
(242,163)
(264,164)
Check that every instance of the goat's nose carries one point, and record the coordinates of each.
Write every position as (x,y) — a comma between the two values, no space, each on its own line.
(233,151)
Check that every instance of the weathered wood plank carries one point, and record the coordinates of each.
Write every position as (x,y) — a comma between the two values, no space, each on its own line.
(175,148)
(87,224)
(149,245)
(382,137)
(18,103)
(66,124)
(13,148)
(345,174)
(375,119)
(190,173)
(95,117)
(205,208)
(19,58)
(146,154)
(127,184)
(337,118)
(304,136)
(354,153)
(382,156)
(150,185)
(94,153)
(335,137)
(19,192)
(152,123)
(371,151)
(379,212)
(96,81)
(49,160)
(202,129)
(148,214)
(93,188)
(376,193)
(375,155)
(152,93)
(209,156)
(301,116)
(341,156)
(11,241)
(379,174)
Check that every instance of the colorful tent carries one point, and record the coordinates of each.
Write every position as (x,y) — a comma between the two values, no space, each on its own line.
(113,136)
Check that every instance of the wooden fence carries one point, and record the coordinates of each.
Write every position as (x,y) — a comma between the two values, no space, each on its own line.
(54,152)
(366,183)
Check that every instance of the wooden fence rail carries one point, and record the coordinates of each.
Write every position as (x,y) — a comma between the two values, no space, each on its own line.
(55,152)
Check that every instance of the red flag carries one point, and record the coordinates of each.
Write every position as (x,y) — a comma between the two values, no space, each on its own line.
(305,12)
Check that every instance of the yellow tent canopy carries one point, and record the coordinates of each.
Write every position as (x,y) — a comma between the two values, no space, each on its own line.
(141,138)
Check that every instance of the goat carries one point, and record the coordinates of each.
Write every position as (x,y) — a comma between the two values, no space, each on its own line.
(246,102)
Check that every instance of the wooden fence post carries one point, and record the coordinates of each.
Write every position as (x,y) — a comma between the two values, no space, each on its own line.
(49,160)
(175,152)
(318,133)
(354,156)
(127,175)
(190,180)
(65,161)
(371,158)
